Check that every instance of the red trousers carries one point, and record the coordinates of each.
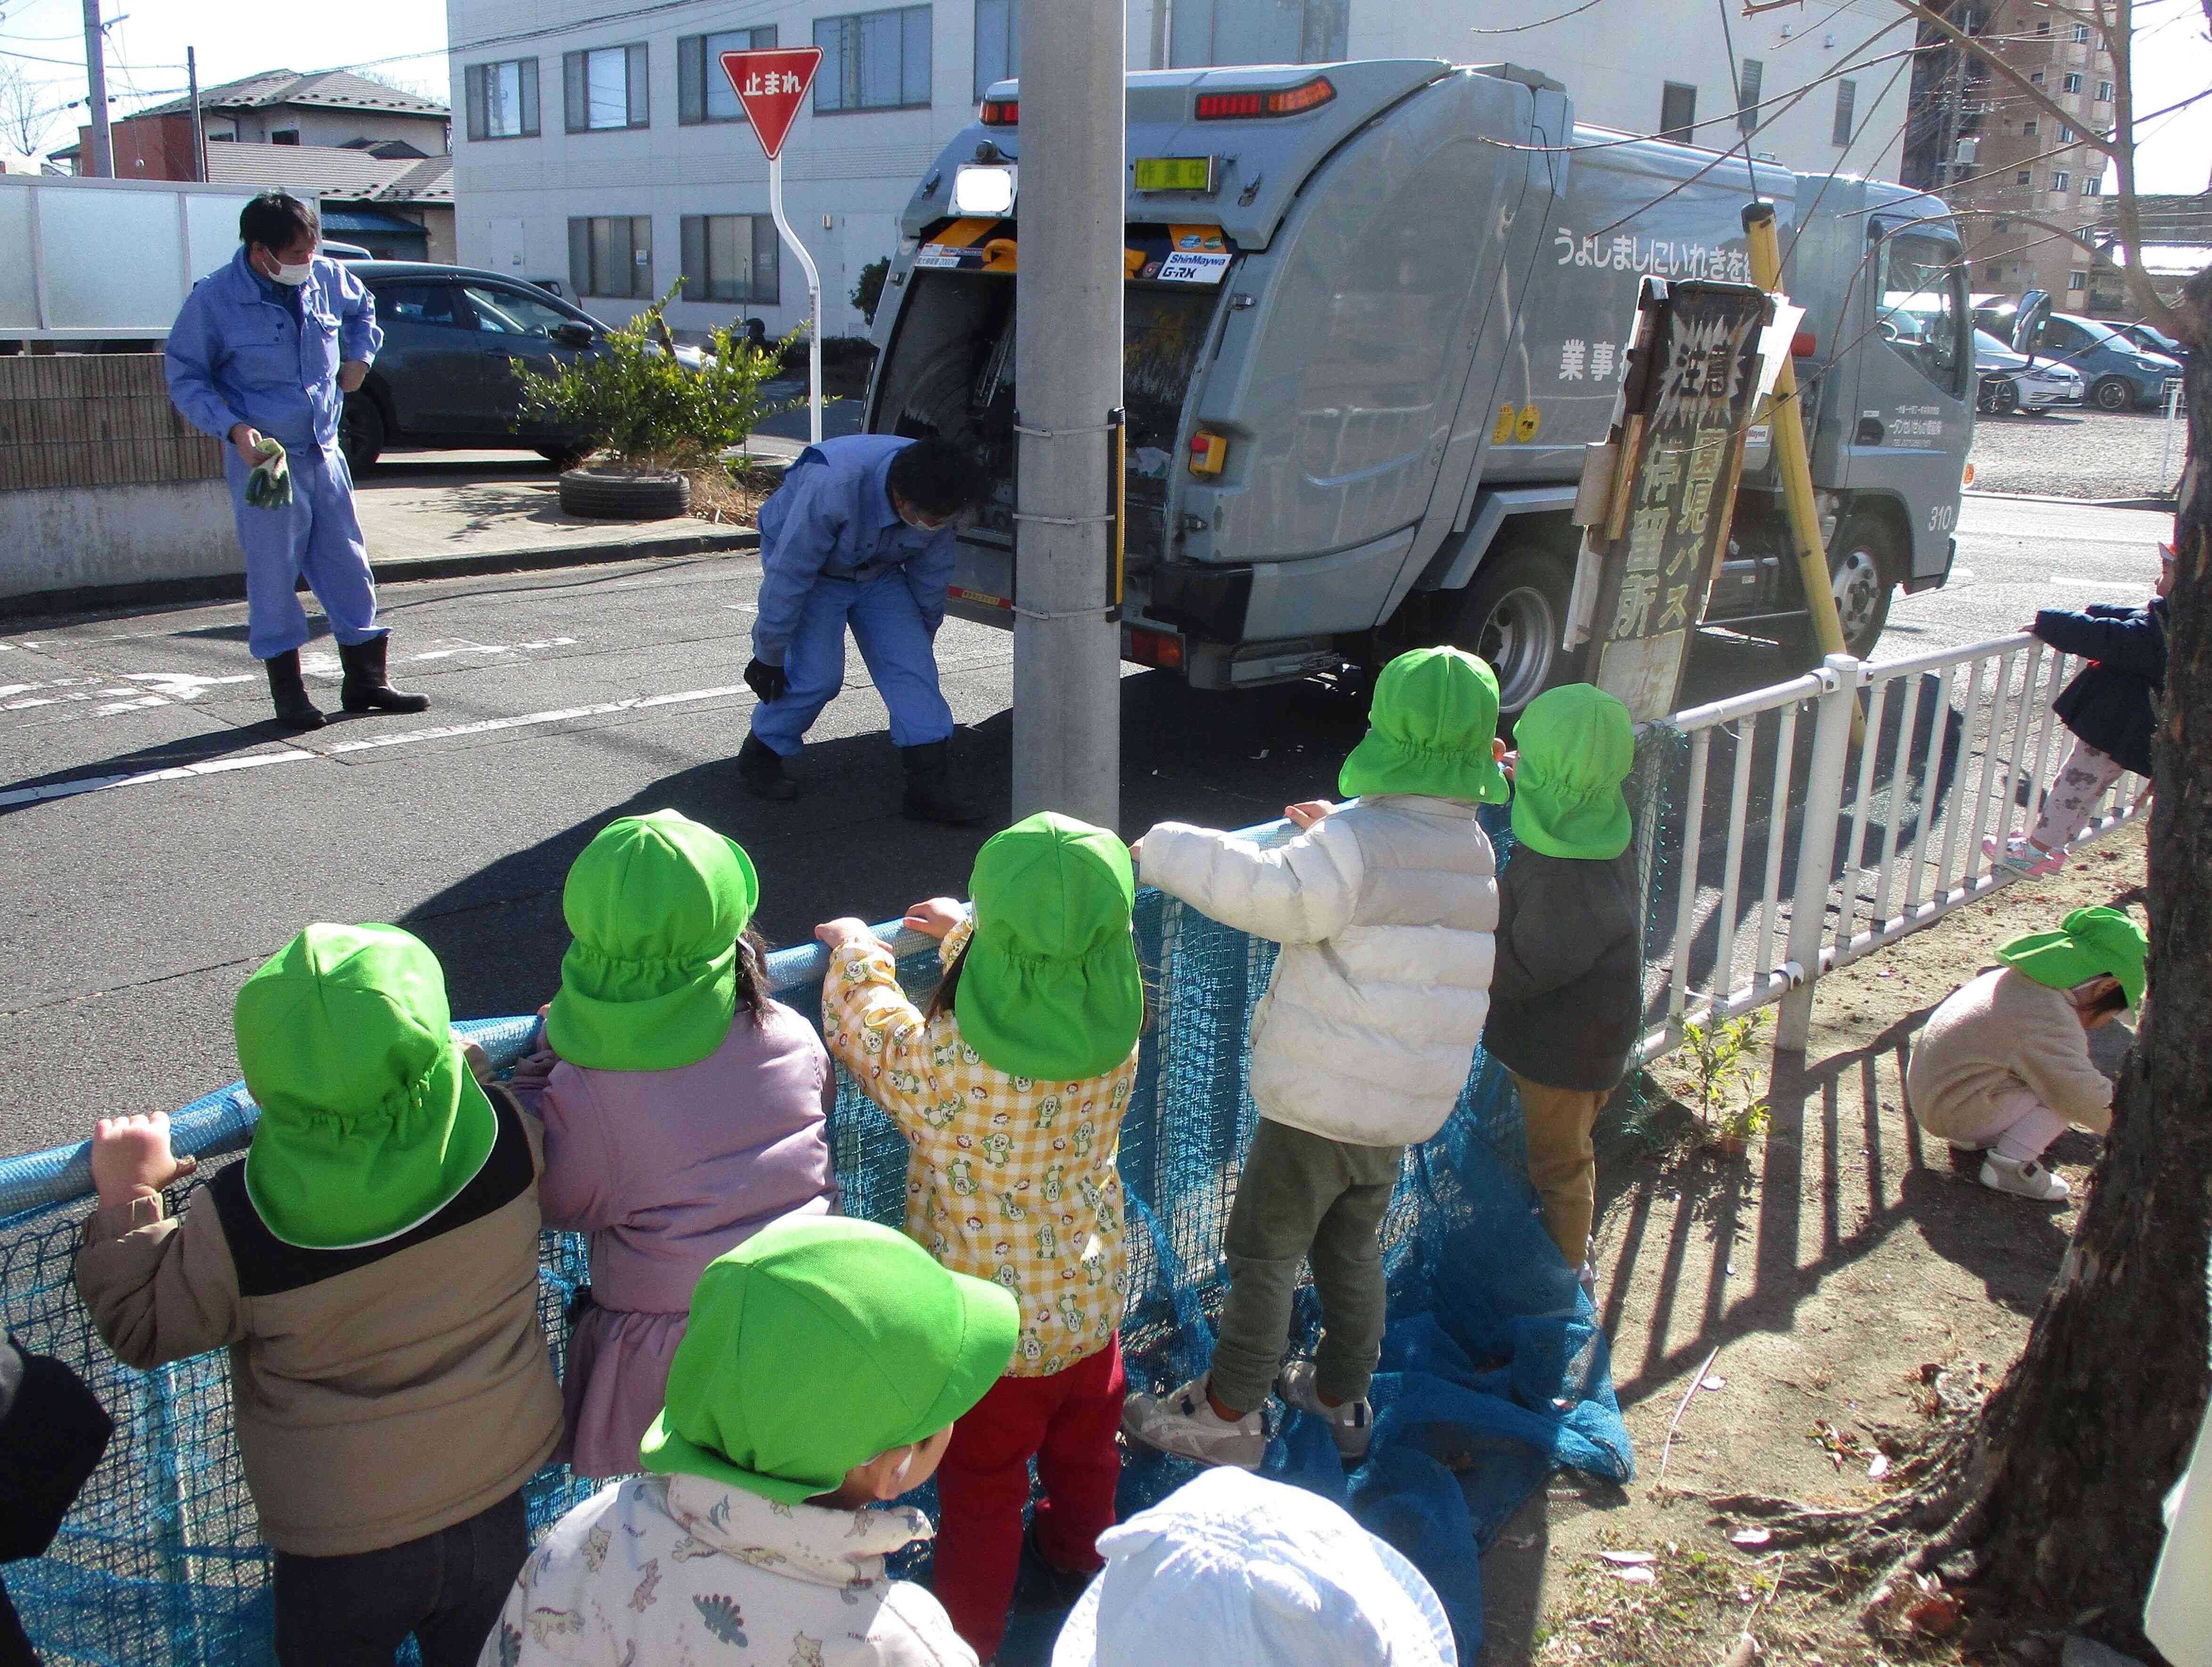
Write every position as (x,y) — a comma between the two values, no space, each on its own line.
(1067,1422)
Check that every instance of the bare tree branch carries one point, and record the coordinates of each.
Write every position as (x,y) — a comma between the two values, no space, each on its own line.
(1989,55)
(24,119)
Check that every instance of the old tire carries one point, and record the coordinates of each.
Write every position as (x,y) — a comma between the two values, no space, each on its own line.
(2112,394)
(361,431)
(1513,614)
(604,496)
(1864,561)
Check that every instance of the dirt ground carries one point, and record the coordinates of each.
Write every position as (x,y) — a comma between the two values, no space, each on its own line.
(1825,1294)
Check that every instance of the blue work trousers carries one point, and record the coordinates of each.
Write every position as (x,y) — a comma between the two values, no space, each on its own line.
(315,536)
(894,640)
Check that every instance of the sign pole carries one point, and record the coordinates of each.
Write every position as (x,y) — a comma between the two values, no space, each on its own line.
(813,298)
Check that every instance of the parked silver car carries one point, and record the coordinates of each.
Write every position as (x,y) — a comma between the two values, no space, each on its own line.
(2011,382)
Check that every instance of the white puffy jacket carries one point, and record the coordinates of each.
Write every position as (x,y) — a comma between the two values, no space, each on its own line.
(1385,911)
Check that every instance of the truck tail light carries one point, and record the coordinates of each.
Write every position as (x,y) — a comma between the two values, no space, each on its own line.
(1801,344)
(1002,112)
(1244,106)
(1208,452)
(1967,478)
(1149,647)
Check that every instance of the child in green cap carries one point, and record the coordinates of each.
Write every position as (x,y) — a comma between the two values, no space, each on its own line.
(372,1266)
(684,1110)
(1010,1089)
(2002,1066)
(1567,993)
(1361,1046)
(824,1364)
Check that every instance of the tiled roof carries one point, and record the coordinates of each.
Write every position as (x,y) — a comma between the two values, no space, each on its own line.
(353,176)
(328,89)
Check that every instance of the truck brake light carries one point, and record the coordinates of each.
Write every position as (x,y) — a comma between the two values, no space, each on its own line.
(1002,112)
(1801,344)
(1208,452)
(1240,107)
(1151,647)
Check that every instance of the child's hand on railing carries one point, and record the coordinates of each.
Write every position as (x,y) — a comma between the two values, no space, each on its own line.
(131,1158)
(934,917)
(842,930)
(1308,812)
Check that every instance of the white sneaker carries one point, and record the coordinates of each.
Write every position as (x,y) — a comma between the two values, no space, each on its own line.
(1353,1424)
(2023,1178)
(1182,1421)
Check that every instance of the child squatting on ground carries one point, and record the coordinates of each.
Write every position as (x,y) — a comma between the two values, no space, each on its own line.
(2111,707)
(1361,1045)
(1010,1089)
(1565,992)
(2002,1066)
(824,1363)
(684,1110)
(372,1267)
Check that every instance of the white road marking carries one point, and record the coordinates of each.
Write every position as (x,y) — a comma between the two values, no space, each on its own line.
(498,648)
(1961,575)
(488,726)
(136,703)
(182,685)
(320,665)
(140,778)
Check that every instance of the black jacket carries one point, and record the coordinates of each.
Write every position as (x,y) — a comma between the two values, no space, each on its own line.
(2112,705)
(1566,992)
(53,1432)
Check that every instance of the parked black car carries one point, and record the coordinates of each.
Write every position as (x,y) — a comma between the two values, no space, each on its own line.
(444,379)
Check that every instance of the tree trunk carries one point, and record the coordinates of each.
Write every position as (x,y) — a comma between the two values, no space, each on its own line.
(2079,1444)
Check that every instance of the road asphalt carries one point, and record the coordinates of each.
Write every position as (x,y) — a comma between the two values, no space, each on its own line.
(157,841)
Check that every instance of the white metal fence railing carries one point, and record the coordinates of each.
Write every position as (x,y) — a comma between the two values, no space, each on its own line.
(1794,858)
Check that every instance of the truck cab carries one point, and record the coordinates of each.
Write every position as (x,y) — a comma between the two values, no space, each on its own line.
(1374,312)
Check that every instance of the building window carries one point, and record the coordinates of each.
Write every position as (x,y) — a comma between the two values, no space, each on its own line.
(2060,180)
(2104,92)
(1678,112)
(1847,92)
(605,88)
(873,60)
(2043,26)
(1203,33)
(611,255)
(2067,135)
(2073,84)
(2076,283)
(502,99)
(730,256)
(2093,185)
(283,136)
(703,93)
(998,42)
(1746,94)
(2031,128)
(2000,226)
(2081,34)
(2025,177)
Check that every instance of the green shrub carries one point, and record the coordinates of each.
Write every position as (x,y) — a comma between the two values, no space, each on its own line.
(868,291)
(644,407)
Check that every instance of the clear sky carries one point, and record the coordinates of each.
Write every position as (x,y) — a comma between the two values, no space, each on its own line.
(405,40)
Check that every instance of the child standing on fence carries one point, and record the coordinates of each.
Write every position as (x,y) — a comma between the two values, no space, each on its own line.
(1566,991)
(372,1266)
(2112,707)
(1361,1046)
(684,1110)
(1010,1089)
(824,1363)
(2002,1066)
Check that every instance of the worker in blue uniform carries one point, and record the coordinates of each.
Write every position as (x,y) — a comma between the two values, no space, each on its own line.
(860,534)
(267,348)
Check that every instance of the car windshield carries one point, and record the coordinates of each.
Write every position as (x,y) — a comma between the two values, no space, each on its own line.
(2101,335)
(1987,344)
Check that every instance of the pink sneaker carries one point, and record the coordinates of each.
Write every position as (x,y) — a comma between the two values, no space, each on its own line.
(2015,855)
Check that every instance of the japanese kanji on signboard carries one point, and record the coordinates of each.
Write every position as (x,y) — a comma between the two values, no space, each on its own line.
(1677,451)
(770,83)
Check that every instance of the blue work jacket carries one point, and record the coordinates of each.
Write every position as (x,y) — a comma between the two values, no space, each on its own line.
(832,519)
(237,354)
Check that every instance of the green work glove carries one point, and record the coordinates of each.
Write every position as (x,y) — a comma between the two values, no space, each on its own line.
(269,485)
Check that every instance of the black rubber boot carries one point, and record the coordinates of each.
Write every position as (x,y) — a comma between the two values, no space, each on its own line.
(289,690)
(365,688)
(929,795)
(761,770)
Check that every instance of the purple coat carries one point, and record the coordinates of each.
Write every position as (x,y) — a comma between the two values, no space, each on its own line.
(666,1170)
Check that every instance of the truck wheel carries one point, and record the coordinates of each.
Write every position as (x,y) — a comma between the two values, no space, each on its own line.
(1513,614)
(361,432)
(2112,394)
(1864,562)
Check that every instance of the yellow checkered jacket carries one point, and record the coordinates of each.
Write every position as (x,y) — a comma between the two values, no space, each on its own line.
(1008,1178)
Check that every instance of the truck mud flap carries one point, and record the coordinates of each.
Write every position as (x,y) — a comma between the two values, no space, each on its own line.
(1209,603)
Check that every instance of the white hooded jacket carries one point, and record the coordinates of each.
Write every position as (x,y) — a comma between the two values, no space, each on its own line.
(1385,911)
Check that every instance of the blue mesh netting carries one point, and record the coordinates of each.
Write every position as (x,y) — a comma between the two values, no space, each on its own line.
(1493,1368)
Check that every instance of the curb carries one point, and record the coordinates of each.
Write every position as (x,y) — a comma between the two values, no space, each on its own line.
(2168,504)
(231,587)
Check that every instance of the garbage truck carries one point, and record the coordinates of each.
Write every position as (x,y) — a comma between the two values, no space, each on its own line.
(1374,313)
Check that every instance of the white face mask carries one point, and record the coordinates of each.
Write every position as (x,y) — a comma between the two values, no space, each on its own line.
(295,276)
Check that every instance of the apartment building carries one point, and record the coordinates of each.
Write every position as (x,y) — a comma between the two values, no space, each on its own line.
(2001,160)
(608,151)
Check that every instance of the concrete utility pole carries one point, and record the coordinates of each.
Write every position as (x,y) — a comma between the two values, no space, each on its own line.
(95,75)
(1067,344)
(199,127)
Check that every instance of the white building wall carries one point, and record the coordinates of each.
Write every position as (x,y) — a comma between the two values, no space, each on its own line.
(847,177)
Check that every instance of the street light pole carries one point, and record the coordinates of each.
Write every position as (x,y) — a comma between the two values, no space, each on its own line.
(95,75)
(1067,343)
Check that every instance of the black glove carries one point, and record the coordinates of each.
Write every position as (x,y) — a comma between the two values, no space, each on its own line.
(765,680)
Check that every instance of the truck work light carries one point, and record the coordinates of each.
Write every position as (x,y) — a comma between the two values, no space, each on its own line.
(984,191)
(1240,107)
(1002,112)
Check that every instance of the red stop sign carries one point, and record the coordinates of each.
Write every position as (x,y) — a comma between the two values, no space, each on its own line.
(770,83)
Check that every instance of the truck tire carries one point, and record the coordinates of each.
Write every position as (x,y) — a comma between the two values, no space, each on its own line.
(1864,562)
(1513,614)
(361,431)
(2112,394)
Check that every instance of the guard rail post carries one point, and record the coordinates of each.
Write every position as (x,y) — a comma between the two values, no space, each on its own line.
(1816,844)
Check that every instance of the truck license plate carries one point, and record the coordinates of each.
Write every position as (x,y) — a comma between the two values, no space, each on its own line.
(1188,267)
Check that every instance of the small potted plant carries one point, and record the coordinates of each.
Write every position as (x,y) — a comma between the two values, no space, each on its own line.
(661,415)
